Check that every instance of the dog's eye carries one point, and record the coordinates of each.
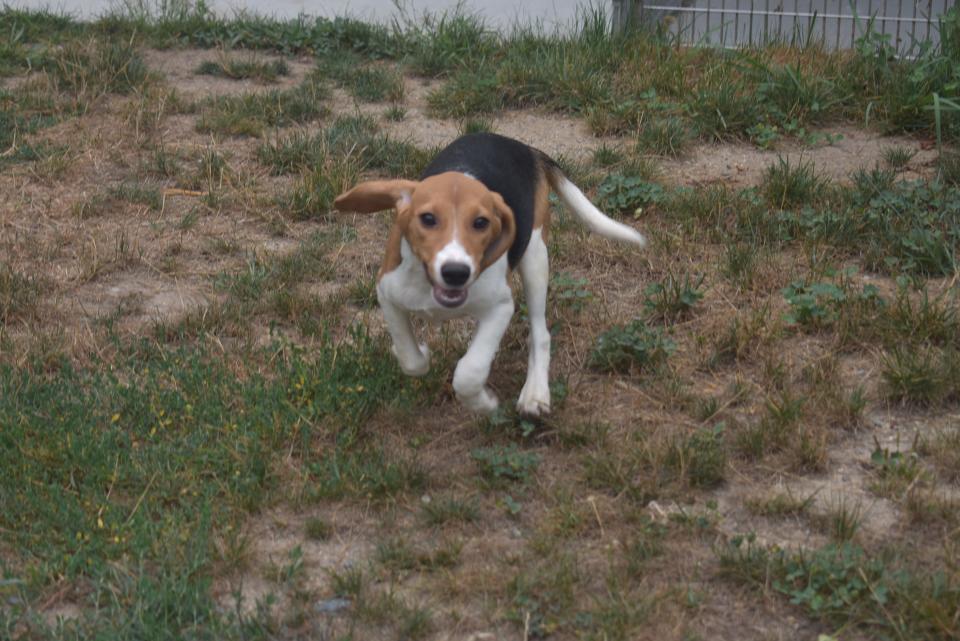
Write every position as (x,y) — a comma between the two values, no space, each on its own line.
(428,220)
(481,223)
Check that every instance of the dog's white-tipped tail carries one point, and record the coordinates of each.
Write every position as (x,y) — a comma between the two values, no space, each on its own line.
(598,222)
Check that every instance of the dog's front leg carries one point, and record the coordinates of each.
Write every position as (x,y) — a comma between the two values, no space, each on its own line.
(535,270)
(470,377)
(414,358)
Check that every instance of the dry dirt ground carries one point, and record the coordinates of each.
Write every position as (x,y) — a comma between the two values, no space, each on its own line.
(135,266)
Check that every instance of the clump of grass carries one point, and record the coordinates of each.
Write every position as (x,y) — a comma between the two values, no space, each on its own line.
(635,346)
(897,158)
(476,126)
(780,505)
(925,320)
(943,449)
(236,68)
(317,529)
(354,137)
(790,95)
(396,113)
(369,473)
(873,182)
(841,520)
(469,93)
(896,471)
(90,69)
(948,168)
(664,137)
(367,83)
(921,375)
(103,202)
(673,298)
(647,543)
(24,152)
(928,506)
(449,40)
(375,84)
(251,113)
(702,457)
(783,413)
(723,108)
(19,295)
(739,264)
(786,185)
(604,156)
(313,195)
(442,511)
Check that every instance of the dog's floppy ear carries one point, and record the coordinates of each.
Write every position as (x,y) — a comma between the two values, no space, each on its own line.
(508,231)
(376,195)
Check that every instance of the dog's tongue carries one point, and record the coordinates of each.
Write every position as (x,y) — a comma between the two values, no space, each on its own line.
(449,297)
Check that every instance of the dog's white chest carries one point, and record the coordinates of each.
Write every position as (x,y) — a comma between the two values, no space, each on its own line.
(408,288)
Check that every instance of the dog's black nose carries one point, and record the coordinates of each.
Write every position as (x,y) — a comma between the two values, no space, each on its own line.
(455,274)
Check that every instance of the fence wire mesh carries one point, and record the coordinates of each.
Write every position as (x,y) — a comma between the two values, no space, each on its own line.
(835,24)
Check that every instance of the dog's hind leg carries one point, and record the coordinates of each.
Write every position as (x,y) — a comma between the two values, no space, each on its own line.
(535,271)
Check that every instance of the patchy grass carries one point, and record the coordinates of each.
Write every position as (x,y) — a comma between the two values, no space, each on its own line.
(237,68)
(205,433)
(365,83)
(252,114)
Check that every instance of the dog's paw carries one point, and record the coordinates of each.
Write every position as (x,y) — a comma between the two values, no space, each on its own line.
(483,403)
(415,366)
(534,399)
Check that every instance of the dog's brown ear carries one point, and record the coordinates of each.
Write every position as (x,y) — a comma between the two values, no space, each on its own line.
(376,195)
(508,232)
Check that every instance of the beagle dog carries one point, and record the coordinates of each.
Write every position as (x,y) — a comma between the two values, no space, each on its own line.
(479,211)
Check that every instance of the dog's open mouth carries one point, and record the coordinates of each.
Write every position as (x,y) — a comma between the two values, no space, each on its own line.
(449,297)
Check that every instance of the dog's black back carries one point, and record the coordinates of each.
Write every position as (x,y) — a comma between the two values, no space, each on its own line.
(503,165)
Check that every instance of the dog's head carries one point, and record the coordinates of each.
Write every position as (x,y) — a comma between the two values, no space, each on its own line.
(452,222)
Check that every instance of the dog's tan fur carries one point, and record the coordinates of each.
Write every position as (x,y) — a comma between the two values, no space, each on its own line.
(455,201)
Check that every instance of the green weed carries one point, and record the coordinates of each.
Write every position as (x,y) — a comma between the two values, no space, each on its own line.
(499,464)
(620,194)
(628,347)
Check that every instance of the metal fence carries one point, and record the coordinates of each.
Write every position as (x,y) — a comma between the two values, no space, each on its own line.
(836,24)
